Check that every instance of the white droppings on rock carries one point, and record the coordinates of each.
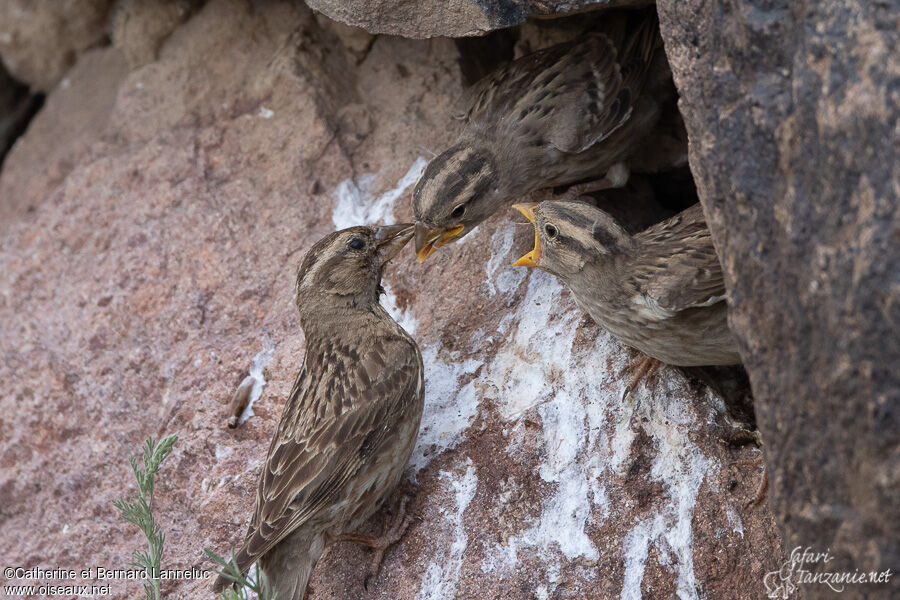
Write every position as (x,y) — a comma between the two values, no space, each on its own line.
(501,276)
(265,113)
(540,366)
(354,205)
(442,576)
(635,549)
(575,389)
(450,406)
(260,362)
(681,468)
(734,519)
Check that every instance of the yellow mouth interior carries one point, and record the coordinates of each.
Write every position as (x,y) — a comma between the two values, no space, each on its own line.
(531,259)
(439,238)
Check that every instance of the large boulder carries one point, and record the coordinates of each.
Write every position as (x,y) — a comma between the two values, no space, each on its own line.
(453,18)
(40,40)
(62,134)
(159,269)
(792,119)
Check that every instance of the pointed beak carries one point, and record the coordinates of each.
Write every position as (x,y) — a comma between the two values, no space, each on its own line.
(390,239)
(531,259)
(428,240)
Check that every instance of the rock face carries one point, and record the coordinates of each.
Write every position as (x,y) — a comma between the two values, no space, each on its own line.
(157,267)
(792,117)
(39,40)
(453,18)
(138,27)
(64,133)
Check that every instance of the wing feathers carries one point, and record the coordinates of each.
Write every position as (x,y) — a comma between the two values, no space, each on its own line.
(691,276)
(309,465)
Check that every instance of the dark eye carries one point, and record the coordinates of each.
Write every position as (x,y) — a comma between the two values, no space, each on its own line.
(551,230)
(356,243)
(459,211)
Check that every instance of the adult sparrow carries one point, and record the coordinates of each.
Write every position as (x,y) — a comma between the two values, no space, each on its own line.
(351,420)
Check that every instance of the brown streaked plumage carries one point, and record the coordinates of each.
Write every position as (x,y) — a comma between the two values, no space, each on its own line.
(351,420)
(661,291)
(558,116)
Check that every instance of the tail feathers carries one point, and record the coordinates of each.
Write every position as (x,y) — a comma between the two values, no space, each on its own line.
(287,566)
(243,562)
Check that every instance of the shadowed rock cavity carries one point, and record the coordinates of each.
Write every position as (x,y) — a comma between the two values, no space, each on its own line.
(17,106)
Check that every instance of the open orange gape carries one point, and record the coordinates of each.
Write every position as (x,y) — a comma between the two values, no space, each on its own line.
(531,259)
(428,240)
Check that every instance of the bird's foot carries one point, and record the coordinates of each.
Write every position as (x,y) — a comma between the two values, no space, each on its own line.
(393,532)
(616,177)
(643,367)
(763,486)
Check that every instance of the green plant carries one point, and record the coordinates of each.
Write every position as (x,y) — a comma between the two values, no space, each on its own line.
(259,584)
(139,512)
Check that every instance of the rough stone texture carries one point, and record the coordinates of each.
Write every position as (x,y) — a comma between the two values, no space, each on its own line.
(792,113)
(62,134)
(40,39)
(138,292)
(454,18)
(140,27)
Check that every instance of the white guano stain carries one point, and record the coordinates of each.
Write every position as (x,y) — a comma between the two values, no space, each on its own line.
(442,575)
(681,468)
(450,407)
(354,204)
(588,434)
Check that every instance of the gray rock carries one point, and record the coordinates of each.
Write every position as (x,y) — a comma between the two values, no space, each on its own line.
(792,113)
(453,18)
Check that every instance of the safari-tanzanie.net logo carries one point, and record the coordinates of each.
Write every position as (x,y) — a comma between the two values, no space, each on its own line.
(807,567)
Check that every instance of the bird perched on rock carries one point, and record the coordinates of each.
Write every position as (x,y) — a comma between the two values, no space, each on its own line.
(557,116)
(352,417)
(660,291)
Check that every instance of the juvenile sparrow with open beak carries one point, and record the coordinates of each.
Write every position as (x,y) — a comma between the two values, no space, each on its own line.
(555,117)
(660,291)
(351,420)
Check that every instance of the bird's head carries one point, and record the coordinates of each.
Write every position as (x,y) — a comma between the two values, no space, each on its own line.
(344,268)
(567,235)
(458,190)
